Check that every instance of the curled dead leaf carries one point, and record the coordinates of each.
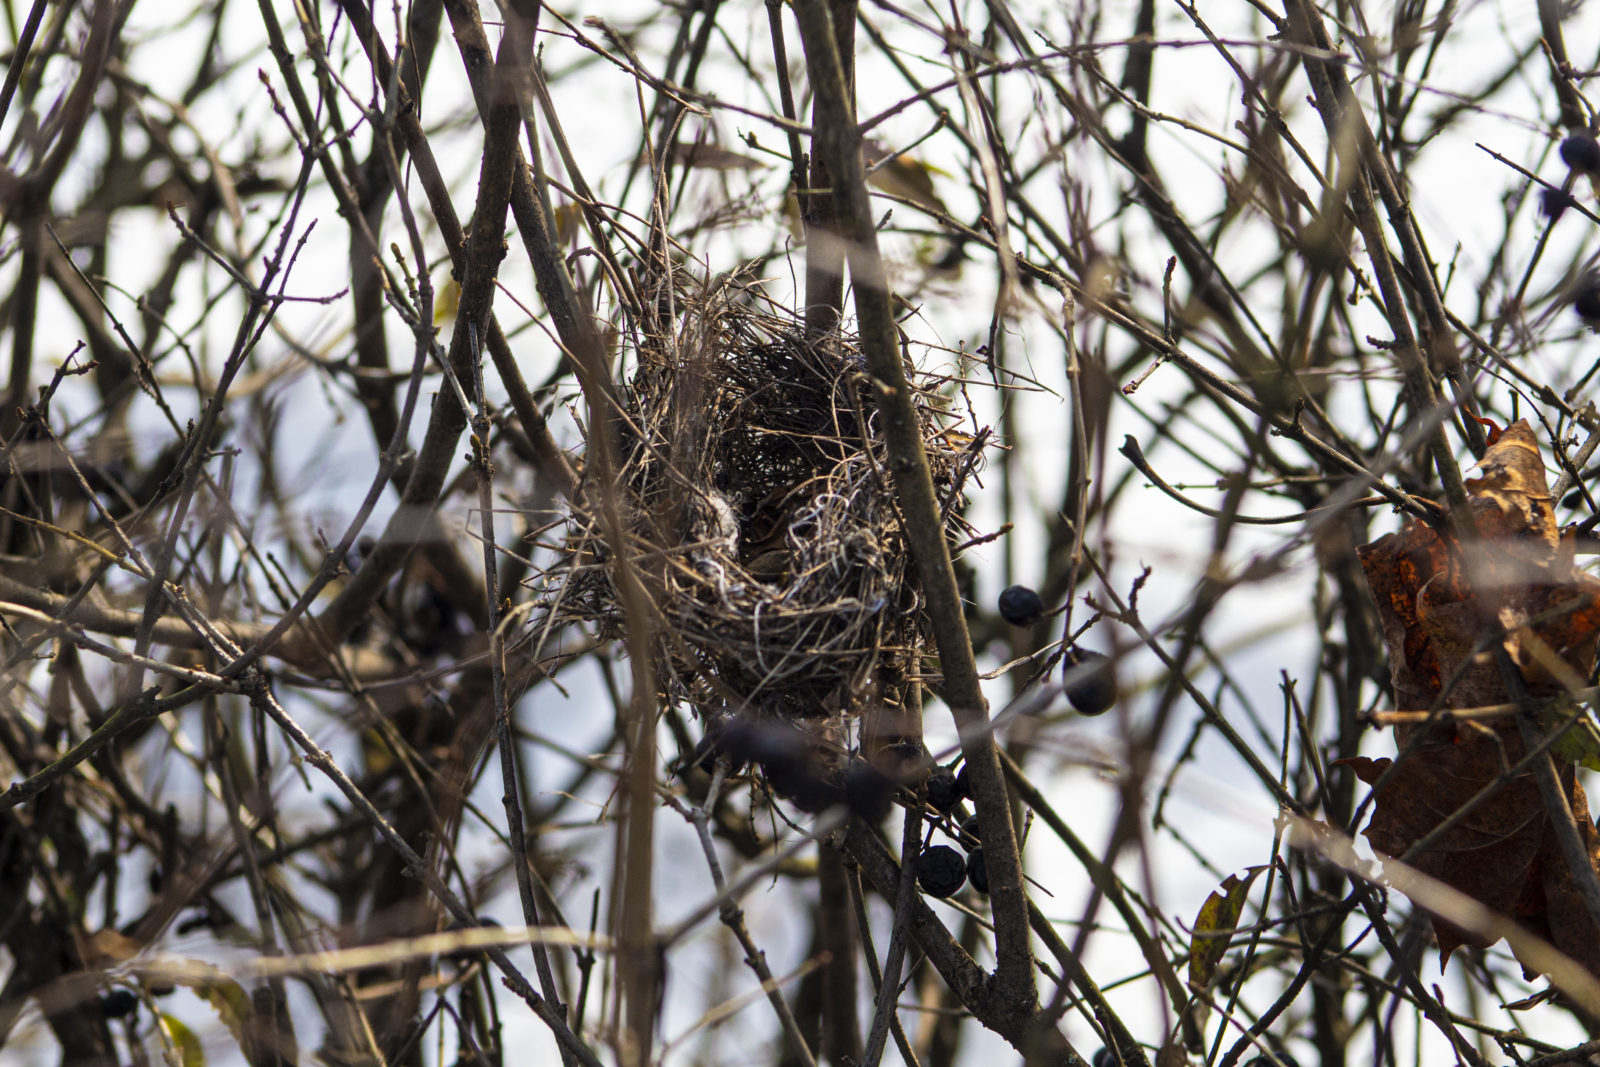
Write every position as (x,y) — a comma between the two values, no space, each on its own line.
(1444,599)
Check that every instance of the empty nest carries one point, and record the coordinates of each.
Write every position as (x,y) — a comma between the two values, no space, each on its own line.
(761,512)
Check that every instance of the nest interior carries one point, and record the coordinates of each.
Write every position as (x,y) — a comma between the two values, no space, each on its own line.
(762,514)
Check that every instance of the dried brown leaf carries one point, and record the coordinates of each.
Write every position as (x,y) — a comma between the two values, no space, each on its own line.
(1438,595)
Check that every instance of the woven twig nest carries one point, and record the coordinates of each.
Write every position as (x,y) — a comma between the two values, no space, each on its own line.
(762,513)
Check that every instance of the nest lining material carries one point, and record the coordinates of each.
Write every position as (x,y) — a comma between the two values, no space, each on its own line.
(758,495)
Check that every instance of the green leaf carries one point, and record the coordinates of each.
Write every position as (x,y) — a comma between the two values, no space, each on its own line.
(1214,926)
(1581,744)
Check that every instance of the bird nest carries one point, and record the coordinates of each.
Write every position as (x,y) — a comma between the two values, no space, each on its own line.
(761,513)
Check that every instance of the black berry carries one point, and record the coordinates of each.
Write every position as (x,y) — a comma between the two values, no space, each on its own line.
(1581,152)
(1020,606)
(977,873)
(784,754)
(726,739)
(905,752)
(701,759)
(964,782)
(118,1004)
(1554,202)
(1090,686)
(1586,300)
(1277,1059)
(868,791)
(941,871)
(803,788)
(943,791)
(737,738)
(1104,1058)
(969,831)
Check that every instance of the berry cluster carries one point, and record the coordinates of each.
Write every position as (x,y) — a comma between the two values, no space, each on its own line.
(941,870)
(1086,675)
(795,765)
(812,776)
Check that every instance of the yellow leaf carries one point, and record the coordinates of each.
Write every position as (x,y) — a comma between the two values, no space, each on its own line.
(181,1044)
(904,176)
(707,156)
(232,1005)
(569,220)
(1213,927)
(445,301)
(792,215)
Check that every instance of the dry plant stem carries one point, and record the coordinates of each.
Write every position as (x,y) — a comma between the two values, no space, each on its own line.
(357,598)
(270,1035)
(482,256)
(595,219)
(1078,489)
(1284,424)
(1292,991)
(261,307)
(732,917)
(836,138)
(1573,108)
(552,461)
(1225,392)
(780,58)
(1116,1032)
(841,1021)
(1343,118)
(32,195)
(262,698)
(502,119)
(20,54)
(511,792)
(581,342)
(1135,455)
(1431,1008)
(827,230)
(883,1012)
(858,900)
(1131,619)
(1574,464)
(141,708)
(1228,393)
(379,180)
(1104,879)
(1580,1054)
(760,872)
(637,961)
(195,455)
(1028,1032)
(1479,714)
